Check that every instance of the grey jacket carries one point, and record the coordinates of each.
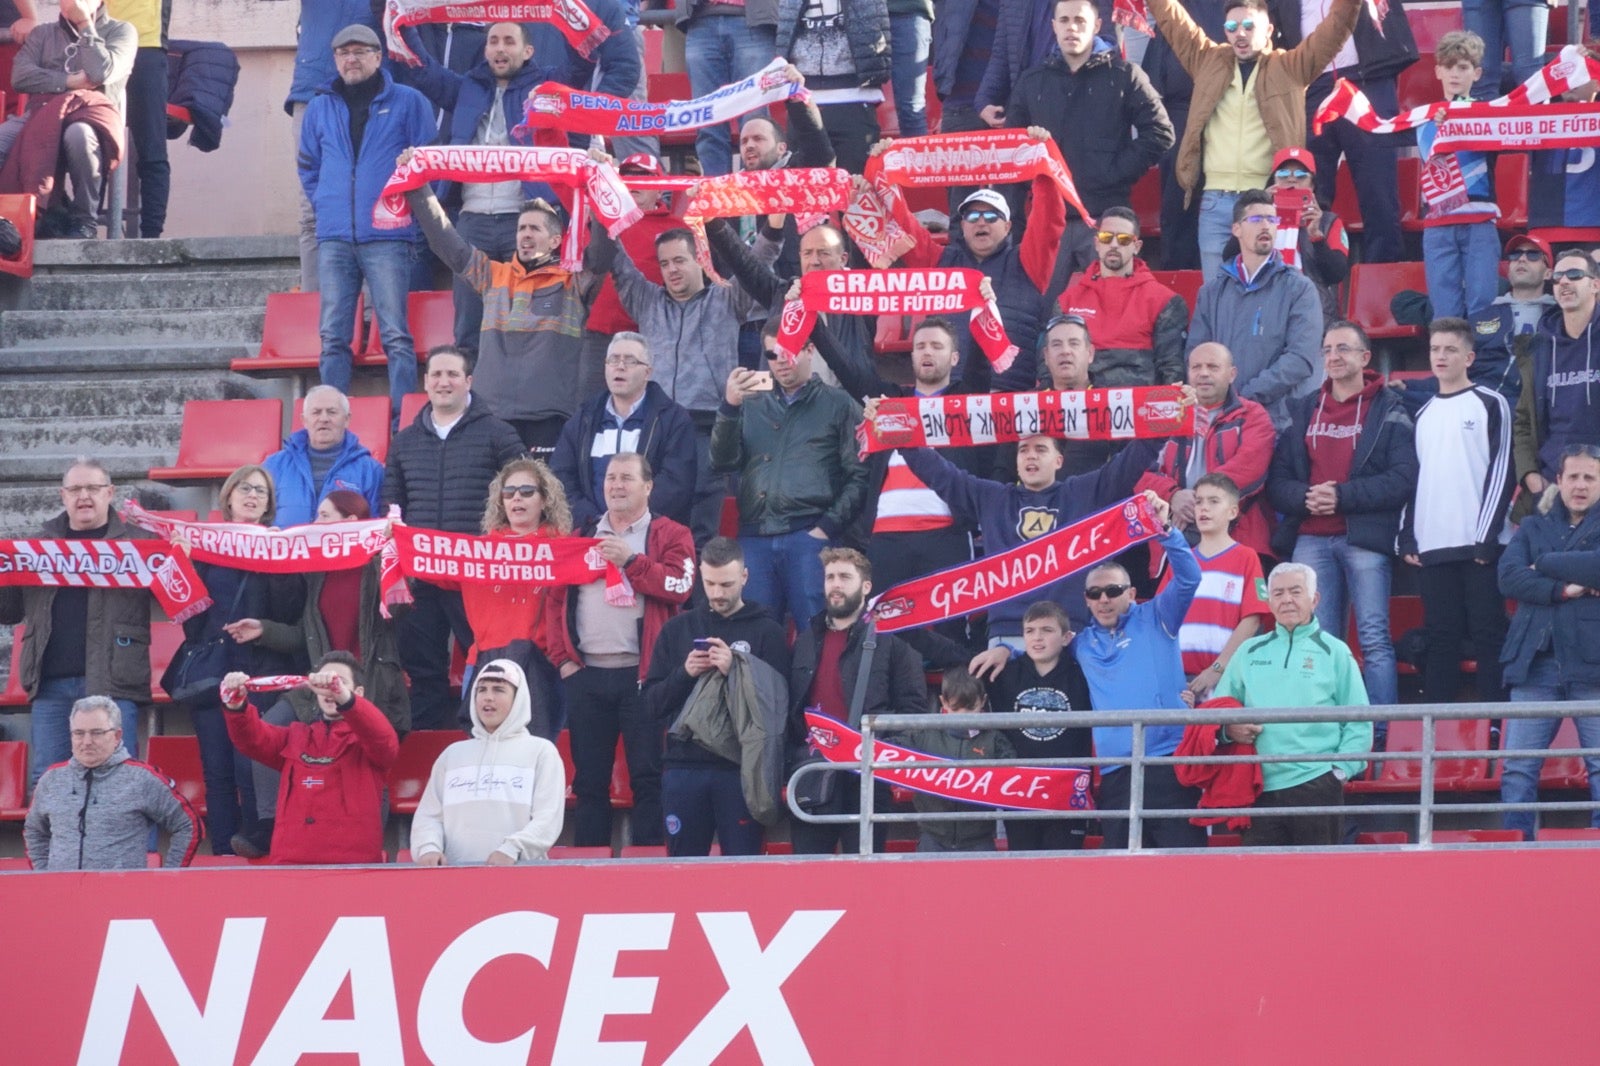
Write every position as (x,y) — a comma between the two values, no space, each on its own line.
(103,52)
(742,718)
(115,804)
(117,640)
(1272,325)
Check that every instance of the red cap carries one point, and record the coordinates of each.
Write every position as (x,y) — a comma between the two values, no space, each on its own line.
(1527,240)
(641,163)
(1295,155)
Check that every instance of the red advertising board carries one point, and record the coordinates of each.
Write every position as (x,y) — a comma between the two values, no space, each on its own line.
(1438,957)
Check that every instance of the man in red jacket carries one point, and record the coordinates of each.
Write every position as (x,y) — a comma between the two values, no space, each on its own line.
(330,794)
(1137,324)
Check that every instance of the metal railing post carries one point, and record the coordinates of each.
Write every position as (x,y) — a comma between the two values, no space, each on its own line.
(864,820)
(1136,790)
(1425,786)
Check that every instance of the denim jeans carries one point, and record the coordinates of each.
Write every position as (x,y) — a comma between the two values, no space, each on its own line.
(910,40)
(719,49)
(707,801)
(386,267)
(1519,781)
(1216,226)
(786,574)
(48,742)
(1519,27)
(1356,578)
(230,780)
(1462,265)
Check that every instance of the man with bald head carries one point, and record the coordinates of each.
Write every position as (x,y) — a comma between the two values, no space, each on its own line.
(322,456)
(1067,362)
(1232,436)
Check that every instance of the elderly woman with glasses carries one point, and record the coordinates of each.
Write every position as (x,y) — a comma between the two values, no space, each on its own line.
(229,636)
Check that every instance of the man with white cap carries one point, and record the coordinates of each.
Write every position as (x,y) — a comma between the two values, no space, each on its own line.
(500,797)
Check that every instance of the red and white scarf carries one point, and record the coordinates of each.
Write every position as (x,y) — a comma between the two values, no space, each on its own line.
(562,107)
(595,185)
(798,191)
(1017,788)
(580,26)
(909,291)
(1516,120)
(870,221)
(431,554)
(993,418)
(940,160)
(297,550)
(107,564)
(1030,566)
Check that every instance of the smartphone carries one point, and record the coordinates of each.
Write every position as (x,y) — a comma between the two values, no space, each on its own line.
(702,644)
(1291,203)
(760,381)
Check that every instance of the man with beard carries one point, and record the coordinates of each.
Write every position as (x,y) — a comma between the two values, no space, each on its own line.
(827,673)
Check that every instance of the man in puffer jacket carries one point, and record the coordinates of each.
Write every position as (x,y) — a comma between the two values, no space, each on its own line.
(500,797)
(842,48)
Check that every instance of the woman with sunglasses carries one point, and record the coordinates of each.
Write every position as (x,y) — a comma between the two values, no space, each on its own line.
(230,636)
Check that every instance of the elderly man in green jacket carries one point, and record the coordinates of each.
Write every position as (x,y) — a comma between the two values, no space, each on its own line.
(1298,664)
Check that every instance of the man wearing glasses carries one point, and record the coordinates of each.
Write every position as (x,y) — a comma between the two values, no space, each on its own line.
(80,640)
(95,811)
(1248,102)
(1560,402)
(1264,312)
(1137,324)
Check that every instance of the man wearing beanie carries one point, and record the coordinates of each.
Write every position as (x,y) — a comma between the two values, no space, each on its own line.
(500,797)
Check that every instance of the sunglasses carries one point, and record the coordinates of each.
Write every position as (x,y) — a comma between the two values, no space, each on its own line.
(1067,320)
(1100,592)
(1292,174)
(527,492)
(983,214)
(1234,26)
(1571,274)
(1530,254)
(1122,239)
(1270,219)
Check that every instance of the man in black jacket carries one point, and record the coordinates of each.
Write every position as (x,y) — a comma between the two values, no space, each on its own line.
(438,471)
(1342,472)
(634,414)
(1102,112)
(826,671)
(701,794)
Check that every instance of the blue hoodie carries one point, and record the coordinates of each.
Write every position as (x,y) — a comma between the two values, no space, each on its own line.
(290,467)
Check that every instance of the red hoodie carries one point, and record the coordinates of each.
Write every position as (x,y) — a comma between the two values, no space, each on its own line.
(1331,439)
(606,314)
(1121,312)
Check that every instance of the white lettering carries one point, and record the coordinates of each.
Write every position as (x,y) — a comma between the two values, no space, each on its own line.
(595,991)
(441,1029)
(357,949)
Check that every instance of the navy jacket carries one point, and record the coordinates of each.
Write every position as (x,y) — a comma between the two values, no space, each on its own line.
(313,54)
(617,57)
(441,484)
(354,468)
(666,440)
(202,75)
(1548,553)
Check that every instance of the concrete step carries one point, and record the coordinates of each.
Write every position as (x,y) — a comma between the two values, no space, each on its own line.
(136,290)
(107,435)
(212,253)
(51,362)
(45,466)
(125,396)
(43,329)
(25,508)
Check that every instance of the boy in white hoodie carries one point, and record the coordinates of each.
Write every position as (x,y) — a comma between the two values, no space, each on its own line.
(500,797)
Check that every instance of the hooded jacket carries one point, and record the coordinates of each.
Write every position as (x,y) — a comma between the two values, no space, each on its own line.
(100,819)
(1105,117)
(503,791)
(1273,326)
(440,484)
(117,634)
(665,438)
(1575,363)
(1383,471)
(938,743)
(342,183)
(606,314)
(1019,23)
(203,75)
(1137,326)
(330,791)
(1548,553)
(353,468)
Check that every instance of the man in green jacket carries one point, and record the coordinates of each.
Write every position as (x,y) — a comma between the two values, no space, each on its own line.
(1297,665)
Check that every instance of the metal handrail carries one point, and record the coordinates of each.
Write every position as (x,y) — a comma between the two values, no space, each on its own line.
(1137,760)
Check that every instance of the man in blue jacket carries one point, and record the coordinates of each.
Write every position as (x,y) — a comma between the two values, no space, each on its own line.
(320,458)
(354,129)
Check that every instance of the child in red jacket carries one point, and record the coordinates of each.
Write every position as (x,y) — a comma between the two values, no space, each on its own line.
(331,793)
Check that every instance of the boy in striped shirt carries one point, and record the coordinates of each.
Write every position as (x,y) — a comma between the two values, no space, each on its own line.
(1230,606)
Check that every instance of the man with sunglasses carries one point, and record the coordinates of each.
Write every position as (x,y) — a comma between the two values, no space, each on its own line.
(1560,401)
(1248,102)
(1137,324)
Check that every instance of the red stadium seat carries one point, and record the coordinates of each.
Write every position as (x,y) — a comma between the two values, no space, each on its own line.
(1145,199)
(1564,771)
(644,851)
(411,404)
(900,846)
(1569,834)
(1345,203)
(1225,840)
(21,209)
(1430,22)
(409,774)
(290,334)
(1410,192)
(777,847)
(1561,235)
(1372,286)
(1477,836)
(180,516)
(220,435)
(1417,85)
(13,780)
(16,862)
(165,639)
(568,851)
(179,758)
(1449,775)
(1511,189)
(219,860)
(14,696)
(893,335)
(621,783)
(369,419)
(728,524)
(1185,283)
(1391,837)
(661,87)
(431,317)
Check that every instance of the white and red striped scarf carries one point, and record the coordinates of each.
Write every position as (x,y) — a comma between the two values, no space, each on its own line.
(303,549)
(431,554)
(107,564)
(570,110)
(940,160)
(808,193)
(582,29)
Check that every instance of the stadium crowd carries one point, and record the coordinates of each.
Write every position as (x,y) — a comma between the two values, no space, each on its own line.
(626,397)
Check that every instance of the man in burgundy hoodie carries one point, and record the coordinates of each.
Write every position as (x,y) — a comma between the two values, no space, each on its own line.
(1341,473)
(1138,325)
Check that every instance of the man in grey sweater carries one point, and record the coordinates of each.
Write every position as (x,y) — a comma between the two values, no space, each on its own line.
(94,811)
